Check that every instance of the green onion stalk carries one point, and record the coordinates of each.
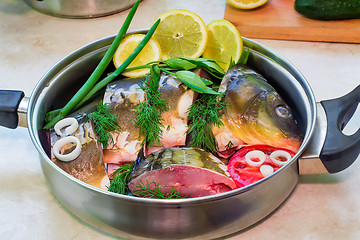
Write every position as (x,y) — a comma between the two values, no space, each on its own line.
(122,67)
(94,77)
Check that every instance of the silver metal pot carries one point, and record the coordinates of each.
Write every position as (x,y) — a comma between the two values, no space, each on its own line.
(204,217)
(80,8)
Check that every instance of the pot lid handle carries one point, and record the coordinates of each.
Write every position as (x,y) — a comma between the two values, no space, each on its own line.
(9,103)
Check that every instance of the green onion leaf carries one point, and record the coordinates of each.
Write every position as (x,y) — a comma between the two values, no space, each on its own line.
(179,64)
(211,91)
(194,81)
(244,56)
(191,79)
(51,115)
(210,65)
(206,81)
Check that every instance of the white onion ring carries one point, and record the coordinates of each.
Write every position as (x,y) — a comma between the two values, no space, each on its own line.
(70,123)
(70,156)
(266,170)
(279,153)
(255,154)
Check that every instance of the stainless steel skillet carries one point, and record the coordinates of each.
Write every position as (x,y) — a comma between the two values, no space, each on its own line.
(206,217)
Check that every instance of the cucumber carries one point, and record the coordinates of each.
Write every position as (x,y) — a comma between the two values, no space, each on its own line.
(328,9)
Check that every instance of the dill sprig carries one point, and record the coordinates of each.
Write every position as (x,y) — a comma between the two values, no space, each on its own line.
(203,114)
(149,112)
(229,145)
(104,123)
(120,179)
(146,191)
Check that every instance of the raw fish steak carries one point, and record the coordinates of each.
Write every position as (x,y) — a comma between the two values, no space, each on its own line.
(123,96)
(191,171)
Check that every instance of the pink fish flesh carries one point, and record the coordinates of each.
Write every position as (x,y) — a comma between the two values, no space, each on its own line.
(191,171)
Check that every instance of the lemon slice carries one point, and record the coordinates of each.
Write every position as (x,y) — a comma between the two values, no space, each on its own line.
(151,52)
(246,4)
(224,43)
(181,33)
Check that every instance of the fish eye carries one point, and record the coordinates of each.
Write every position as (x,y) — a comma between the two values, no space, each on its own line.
(282,111)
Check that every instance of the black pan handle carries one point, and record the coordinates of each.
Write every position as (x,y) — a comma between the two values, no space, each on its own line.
(9,103)
(339,150)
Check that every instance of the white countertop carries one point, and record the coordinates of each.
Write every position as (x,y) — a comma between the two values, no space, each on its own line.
(321,206)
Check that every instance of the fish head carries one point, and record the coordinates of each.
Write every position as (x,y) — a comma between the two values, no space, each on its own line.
(256,112)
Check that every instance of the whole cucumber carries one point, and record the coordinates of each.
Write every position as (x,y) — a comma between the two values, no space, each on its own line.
(328,9)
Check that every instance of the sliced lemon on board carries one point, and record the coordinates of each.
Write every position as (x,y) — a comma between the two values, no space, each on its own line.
(224,43)
(151,52)
(246,4)
(181,33)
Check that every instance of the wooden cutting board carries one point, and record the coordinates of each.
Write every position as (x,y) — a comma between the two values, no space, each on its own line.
(277,19)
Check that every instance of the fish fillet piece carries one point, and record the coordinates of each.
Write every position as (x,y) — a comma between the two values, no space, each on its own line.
(175,120)
(191,171)
(123,97)
(89,166)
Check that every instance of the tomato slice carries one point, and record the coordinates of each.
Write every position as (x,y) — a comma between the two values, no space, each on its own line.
(244,174)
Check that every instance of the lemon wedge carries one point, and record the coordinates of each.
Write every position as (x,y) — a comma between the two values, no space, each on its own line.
(181,33)
(224,43)
(151,52)
(246,4)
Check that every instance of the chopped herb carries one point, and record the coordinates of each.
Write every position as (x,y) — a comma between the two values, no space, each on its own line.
(149,112)
(147,191)
(120,179)
(203,114)
(229,145)
(104,123)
